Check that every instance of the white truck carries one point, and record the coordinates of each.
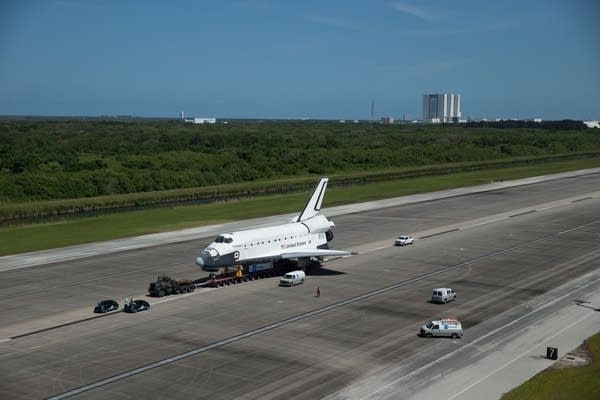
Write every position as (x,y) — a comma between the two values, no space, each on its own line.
(292,278)
(404,240)
(449,327)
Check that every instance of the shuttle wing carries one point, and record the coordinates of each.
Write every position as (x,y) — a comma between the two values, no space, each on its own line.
(317,253)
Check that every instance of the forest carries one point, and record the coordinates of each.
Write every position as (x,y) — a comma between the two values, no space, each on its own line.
(67,159)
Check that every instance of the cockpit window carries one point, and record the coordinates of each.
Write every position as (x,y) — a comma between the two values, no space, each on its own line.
(223,239)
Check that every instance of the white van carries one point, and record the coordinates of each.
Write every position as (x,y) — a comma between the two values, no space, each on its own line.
(449,327)
(292,278)
(442,295)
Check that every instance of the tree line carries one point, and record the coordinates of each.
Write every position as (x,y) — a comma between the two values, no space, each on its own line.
(63,159)
(562,125)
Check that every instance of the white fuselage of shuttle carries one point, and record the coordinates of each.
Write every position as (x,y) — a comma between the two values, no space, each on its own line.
(305,237)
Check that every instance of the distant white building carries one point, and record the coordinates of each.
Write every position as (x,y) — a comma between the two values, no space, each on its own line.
(387,120)
(196,120)
(439,108)
(592,124)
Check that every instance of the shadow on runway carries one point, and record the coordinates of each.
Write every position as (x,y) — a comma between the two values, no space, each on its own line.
(583,303)
(440,304)
(316,271)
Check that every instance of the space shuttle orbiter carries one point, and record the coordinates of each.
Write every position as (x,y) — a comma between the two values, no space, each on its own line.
(306,236)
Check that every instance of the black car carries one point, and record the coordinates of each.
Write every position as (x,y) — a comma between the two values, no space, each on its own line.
(134,306)
(106,306)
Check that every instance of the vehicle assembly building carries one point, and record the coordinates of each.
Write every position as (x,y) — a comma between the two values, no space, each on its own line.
(441,108)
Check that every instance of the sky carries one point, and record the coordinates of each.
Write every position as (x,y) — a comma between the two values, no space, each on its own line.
(299,59)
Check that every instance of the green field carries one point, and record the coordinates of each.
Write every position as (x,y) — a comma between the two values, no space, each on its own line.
(70,231)
(581,383)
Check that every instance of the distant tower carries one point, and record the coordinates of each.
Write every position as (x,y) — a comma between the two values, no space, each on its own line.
(182,116)
(372,111)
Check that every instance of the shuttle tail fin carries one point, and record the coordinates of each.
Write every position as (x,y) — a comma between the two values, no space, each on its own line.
(313,206)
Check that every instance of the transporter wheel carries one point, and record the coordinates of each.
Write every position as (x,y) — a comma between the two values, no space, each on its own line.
(454,336)
(161,293)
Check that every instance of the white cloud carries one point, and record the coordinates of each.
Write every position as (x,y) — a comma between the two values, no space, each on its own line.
(413,10)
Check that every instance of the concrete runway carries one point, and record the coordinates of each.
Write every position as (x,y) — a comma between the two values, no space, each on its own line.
(517,257)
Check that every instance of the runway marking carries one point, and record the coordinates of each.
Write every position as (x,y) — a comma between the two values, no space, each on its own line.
(491,221)
(80,282)
(167,299)
(585,198)
(520,356)
(439,233)
(470,344)
(376,249)
(321,310)
(503,216)
(522,213)
(63,325)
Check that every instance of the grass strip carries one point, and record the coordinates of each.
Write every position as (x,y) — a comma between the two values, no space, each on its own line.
(582,383)
(64,232)
(41,210)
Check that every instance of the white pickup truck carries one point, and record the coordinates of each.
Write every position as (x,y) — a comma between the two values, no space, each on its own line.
(404,240)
